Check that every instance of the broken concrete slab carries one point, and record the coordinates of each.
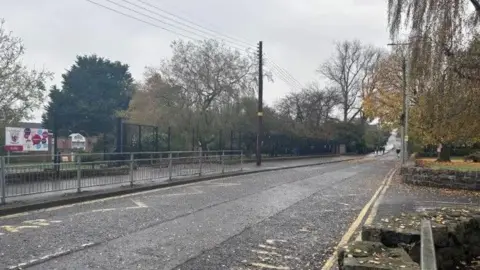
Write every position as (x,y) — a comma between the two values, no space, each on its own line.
(365,255)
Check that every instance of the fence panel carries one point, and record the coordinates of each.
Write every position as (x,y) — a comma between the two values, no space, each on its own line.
(88,171)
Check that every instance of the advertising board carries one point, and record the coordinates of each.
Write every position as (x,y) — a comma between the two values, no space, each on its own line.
(26,139)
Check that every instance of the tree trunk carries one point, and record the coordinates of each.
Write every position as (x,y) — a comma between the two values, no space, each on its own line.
(444,155)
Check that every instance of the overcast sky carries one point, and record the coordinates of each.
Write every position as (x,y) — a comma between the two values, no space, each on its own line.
(298,34)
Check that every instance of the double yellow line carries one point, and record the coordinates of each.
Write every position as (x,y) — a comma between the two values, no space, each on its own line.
(375,200)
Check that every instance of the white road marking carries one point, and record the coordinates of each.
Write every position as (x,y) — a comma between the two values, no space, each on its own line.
(88,244)
(138,203)
(272,241)
(263,252)
(47,257)
(351,230)
(445,202)
(223,184)
(100,210)
(107,199)
(194,191)
(266,247)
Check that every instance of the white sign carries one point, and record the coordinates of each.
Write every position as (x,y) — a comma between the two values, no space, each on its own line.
(26,139)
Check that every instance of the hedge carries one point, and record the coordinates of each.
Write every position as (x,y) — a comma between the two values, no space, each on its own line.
(50,174)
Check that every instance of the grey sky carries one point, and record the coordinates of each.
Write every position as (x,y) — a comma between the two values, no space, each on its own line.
(297,34)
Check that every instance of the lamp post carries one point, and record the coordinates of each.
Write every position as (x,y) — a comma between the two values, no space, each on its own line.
(404,117)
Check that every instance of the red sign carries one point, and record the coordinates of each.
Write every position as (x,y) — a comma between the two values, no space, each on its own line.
(13,148)
(36,139)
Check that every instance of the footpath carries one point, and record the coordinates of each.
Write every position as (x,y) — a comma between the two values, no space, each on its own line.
(402,198)
(391,233)
(56,198)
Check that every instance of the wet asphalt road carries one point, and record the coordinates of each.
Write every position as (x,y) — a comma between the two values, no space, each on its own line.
(289,219)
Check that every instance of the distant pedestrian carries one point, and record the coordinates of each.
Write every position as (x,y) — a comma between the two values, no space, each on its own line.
(398,152)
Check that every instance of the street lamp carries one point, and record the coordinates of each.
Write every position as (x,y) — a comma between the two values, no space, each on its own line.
(404,117)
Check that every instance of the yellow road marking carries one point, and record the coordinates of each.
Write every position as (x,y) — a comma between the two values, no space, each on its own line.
(37,222)
(31,224)
(268,266)
(14,229)
(374,210)
(351,230)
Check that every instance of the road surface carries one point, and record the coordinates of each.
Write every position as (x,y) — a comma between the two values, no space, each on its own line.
(288,219)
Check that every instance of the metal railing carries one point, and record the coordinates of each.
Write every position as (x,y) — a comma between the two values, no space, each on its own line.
(427,247)
(119,169)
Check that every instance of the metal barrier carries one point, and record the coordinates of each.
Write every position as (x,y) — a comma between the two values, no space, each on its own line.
(427,253)
(118,169)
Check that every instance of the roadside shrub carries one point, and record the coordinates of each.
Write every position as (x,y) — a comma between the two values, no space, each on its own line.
(475,157)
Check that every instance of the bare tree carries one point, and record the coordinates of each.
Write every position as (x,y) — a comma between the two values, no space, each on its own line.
(21,90)
(308,110)
(211,80)
(349,70)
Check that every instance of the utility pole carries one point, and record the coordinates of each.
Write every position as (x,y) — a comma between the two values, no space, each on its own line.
(405,113)
(404,117)
(260,103)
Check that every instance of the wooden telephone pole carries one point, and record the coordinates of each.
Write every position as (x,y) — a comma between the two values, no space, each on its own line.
(260,104)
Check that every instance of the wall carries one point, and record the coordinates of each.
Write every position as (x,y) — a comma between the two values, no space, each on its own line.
(441,178)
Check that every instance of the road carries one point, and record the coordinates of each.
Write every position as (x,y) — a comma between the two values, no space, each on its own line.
(288,219)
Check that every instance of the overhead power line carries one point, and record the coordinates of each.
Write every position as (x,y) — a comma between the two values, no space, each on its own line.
(197,25)
(290,85)
(194,33)
(285,72)
(199,36)
(188,27)
(140,20)
(285,75)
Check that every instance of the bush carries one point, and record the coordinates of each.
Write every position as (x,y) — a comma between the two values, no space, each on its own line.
(475,157)
(50,174)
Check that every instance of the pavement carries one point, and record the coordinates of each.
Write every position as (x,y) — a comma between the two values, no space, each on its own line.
(285,219)
(399,197)
(402,198)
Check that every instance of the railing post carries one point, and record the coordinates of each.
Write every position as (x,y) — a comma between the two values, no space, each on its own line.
(79,174)
(3,179)
(170,166)
(131,169)
(241,160)
(223,162)
(200,163)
